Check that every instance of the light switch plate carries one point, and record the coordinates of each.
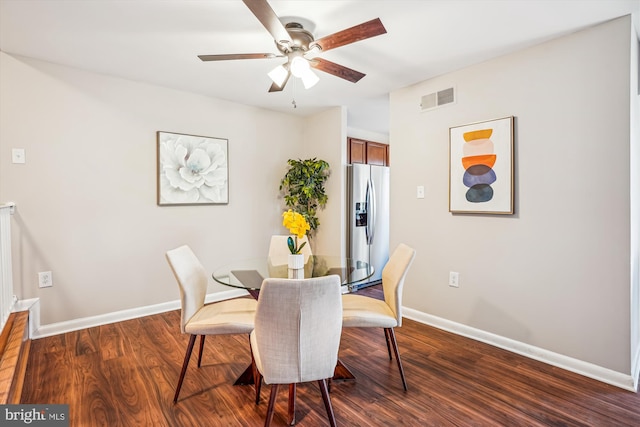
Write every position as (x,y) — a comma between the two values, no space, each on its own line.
(45,279)
(18,155)
(420,192)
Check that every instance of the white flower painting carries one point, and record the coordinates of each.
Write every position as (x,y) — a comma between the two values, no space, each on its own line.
(192,170)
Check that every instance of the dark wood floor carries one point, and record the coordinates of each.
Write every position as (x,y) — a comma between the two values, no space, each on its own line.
(124,374)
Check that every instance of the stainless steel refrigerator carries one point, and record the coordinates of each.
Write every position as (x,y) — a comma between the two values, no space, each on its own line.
(368,217)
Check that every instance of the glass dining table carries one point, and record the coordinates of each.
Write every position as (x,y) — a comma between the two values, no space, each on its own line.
(249,273)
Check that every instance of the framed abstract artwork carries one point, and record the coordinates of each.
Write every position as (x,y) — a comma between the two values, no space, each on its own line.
(192,170)
(481,167)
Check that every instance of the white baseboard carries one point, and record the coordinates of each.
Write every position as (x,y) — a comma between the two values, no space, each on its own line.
(41,331)
(635,369)
(33,305)
(587,369)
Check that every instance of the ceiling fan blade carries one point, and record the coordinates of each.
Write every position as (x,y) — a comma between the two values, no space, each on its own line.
(227,57)
(351,35)
(269,19)
(336,69)
(275,88)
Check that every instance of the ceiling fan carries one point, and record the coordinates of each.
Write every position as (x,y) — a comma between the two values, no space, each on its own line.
(300,48)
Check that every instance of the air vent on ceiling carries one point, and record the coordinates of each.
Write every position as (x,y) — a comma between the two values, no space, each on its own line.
(437,99)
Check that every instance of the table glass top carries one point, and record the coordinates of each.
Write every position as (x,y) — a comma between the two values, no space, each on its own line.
(249,273)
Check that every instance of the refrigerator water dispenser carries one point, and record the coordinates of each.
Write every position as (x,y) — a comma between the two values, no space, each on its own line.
(361,215)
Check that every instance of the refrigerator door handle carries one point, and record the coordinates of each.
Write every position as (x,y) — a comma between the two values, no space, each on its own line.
(371,218)
(367,210)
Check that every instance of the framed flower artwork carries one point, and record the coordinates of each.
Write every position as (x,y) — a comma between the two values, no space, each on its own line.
(192,170)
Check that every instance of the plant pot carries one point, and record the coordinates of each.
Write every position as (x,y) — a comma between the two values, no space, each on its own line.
(296,266)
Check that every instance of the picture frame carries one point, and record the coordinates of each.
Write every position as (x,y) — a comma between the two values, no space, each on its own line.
(192,169)
(481,175)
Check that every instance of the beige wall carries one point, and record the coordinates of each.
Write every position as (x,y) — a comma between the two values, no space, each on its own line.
(556,275)
(86,197)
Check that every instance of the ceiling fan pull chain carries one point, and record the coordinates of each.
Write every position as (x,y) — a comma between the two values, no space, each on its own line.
(293,101)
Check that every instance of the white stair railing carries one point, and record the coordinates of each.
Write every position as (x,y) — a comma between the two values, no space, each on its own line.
(7,299)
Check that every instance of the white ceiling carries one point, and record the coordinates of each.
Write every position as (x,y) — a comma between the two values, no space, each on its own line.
(157,41)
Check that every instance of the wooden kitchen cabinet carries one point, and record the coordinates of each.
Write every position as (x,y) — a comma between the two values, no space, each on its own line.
(367,152)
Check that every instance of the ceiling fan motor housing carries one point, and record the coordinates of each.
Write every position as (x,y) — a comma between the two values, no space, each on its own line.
(301,39)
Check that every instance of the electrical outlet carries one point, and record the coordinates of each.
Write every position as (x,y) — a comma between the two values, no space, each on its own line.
(45,279)
(454,279)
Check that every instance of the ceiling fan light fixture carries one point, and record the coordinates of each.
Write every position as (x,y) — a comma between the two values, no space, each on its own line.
(309,79)
(278,75)
(299,66)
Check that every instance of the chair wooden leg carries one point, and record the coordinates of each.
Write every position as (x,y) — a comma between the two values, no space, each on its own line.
(257,380)
(257,376)
(392,337)
(187,356)
(327,402)
(386,337)
(200,351)
(291,410)
(272,404)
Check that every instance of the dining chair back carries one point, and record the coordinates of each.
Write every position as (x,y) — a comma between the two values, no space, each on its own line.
(393,275)
(234,316)
(297,332)
(192,282)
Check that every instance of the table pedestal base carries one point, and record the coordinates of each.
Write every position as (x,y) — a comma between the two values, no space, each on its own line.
(342,373)
(246,378)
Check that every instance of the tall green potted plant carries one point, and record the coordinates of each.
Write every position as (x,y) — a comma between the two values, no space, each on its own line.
(303,188)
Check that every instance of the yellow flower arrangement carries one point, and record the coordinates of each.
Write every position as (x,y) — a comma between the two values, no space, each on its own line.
(298,226)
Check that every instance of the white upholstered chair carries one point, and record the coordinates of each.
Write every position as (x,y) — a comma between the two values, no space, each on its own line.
(364,312)
(233,316)
(297,332)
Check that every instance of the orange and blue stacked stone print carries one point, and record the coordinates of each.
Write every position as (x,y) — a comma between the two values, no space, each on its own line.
(479,158)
